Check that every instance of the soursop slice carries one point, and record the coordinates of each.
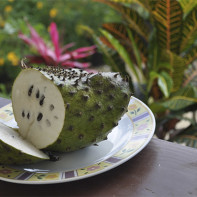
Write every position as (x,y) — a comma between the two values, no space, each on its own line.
(67,109)
(15,150)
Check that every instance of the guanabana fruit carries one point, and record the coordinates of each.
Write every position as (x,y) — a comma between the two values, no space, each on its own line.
(15,150)
(67,109)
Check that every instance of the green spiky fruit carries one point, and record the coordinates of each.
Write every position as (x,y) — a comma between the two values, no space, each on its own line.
(67,109)
(15,150)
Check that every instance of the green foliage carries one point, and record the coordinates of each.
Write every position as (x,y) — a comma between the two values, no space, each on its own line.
(168,16)
(158,41)
(68,15)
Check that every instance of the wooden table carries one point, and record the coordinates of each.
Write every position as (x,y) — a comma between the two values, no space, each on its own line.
(162,169)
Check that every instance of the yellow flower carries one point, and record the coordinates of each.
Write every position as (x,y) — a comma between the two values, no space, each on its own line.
(8,8)
(10,0)
(1,61)
(39,5)
(13,58)
(53,13)
(2,23)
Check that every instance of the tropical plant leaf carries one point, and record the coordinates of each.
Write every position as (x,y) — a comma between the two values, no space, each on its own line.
(169,83)
(190,76)
(187,5)
(178,66)
(122,52)
(164,81)
(147,5)
(191,55)
(119,31)
(181,99)
(189,30)
(101,46)
(132,18)
(168,17)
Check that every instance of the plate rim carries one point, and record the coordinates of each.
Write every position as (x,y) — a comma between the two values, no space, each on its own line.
(75,178)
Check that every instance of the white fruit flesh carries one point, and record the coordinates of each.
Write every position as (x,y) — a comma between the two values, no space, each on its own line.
(40,117)
(12,138)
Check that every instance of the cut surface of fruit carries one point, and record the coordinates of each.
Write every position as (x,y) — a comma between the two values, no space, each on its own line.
(15,150)
(67,109)
(38,108)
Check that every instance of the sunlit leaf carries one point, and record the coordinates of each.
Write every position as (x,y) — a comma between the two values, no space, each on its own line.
(119,31)
(187,5)
(183,98)
(121,51)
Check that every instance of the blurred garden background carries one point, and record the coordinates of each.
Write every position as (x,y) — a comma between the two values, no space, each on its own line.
(67,14)
(153,42)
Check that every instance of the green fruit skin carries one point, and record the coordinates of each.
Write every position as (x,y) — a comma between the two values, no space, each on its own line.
(10,155)
(87,123)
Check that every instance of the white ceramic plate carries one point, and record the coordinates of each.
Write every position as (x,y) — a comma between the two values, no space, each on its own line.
(133,133)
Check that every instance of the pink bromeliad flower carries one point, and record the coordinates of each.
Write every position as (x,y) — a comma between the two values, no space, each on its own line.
(58,55)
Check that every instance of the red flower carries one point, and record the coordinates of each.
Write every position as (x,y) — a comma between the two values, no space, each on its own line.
(57,55)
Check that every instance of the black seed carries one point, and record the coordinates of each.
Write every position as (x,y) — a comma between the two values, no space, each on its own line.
(109,108)
(23,114)
(126,78)
(116,75)
(115,124)
(52,107)
(38,94)
(30,90)
(102,125)
(85,97)
(122,109)
(70,128)
(28,115)
(91,118)
(80,136)
(67,105)
(39,117)
(42,100)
